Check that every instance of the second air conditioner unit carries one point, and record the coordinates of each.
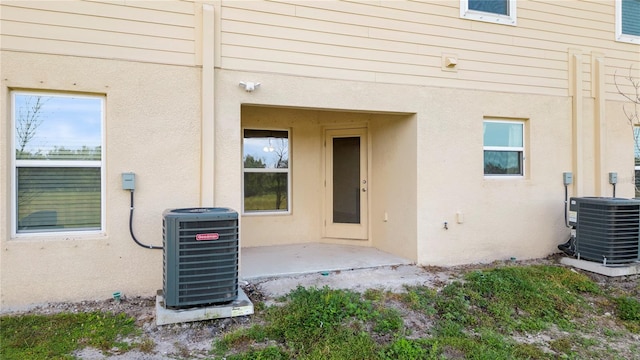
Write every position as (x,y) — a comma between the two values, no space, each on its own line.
(607,229)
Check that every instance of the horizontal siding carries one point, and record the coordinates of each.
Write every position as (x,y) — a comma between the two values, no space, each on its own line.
(403,41)
(386,41)
(94,50)
(153,31)
(92,22)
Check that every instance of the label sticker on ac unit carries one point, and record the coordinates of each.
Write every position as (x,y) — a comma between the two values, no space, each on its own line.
(241,311)
(573,216)
(205,237)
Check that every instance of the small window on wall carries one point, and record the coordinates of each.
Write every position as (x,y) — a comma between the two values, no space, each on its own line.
(57,163)
(495,11)
(503,148)
(266,166)
(628,21)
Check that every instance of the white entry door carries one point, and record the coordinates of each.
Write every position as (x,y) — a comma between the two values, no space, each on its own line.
(346,185)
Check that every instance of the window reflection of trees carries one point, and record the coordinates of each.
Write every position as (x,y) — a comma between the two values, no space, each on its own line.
(502,163)
(266,190)
(28,120)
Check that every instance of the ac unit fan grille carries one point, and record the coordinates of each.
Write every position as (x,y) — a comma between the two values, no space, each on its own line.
(200,272)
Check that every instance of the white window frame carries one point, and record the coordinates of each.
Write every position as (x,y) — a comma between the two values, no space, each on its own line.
(510,19)
(520,149)
(15,163)
(268,170)
(628,38)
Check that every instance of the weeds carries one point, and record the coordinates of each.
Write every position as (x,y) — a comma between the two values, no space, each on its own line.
(57,336)
(147,345)
(420,298)
(517,298)
(476,316)
(268,353)
(473,318)
(320,324)
(628,308)
(405,349)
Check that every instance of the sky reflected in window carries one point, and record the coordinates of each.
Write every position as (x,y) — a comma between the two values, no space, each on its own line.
(46,124)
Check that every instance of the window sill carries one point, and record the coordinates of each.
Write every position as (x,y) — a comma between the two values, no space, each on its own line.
(490,18)
(59,236)
(267,213)
(498,177)
(631,39)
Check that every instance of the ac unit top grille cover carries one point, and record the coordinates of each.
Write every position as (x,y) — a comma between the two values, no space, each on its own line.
(200,259)
(207,212)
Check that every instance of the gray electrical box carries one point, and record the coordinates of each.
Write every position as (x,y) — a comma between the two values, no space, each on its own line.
(613,178)
(567,178)
(128,181)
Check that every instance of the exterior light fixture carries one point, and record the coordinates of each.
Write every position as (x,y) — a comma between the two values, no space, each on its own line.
(249,86)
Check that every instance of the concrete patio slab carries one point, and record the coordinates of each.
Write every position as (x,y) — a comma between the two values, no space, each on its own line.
(271,261)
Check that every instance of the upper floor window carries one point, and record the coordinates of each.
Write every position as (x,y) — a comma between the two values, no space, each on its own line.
(266,165)
(495,11)
(57,181)
(628,21)
(503,147)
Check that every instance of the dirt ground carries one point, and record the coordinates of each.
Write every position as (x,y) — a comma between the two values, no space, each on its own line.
(194,340)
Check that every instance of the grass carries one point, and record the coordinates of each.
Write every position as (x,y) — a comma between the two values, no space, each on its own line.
(474,318)
(318,324)
(58,336)
(264,202)
(517,298)
(480,316)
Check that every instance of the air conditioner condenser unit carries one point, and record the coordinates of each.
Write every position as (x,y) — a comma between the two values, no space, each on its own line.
(607,229)
(200,256)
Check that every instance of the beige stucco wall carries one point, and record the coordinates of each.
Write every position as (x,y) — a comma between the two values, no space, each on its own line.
(393,184)
(308,106)
(507,217)
(501,217)
(332,65)
(426,166)
(390,188)
(152,127)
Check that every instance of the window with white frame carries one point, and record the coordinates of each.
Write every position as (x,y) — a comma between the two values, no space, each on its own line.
(495,11)
(266,167)
(628,21)
(503,147)
(57,162)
